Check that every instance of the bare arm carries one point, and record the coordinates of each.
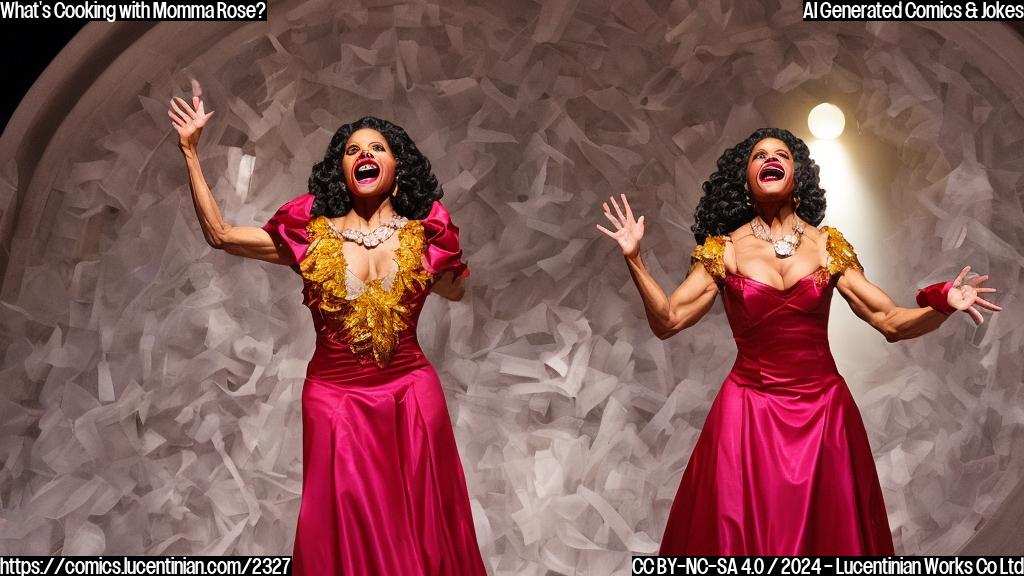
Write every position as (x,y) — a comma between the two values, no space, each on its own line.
(665,314)
(874,306)
(247,241)
(689,302)
(871,304)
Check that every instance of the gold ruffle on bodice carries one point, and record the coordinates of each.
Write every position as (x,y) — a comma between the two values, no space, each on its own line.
(840,253)
(711,254)
(370,322)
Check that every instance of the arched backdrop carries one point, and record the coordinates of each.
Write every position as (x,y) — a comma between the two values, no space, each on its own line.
(151,384)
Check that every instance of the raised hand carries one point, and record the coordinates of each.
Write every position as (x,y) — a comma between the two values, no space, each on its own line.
(628,231)
(189,120)
(964,295)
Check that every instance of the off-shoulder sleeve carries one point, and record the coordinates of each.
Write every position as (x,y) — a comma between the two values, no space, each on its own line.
(288,226)
(443,252)
(711,254)
(840,253)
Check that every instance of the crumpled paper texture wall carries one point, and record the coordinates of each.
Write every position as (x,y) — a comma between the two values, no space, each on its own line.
(152,384)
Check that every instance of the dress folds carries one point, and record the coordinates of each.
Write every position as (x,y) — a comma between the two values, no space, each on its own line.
(782,465)
(383,488)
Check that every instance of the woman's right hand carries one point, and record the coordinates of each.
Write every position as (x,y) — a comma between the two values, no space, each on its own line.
(189,120)
(628,231)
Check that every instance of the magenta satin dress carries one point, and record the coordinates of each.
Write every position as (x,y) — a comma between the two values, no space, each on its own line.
(383,490)
(782,465)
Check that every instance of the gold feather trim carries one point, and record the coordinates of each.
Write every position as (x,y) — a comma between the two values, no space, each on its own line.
(840,253)
(712,255)
(372,321)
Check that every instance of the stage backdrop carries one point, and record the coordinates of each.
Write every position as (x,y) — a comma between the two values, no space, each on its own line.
(151,384)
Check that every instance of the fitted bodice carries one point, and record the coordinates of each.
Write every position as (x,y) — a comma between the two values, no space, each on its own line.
(760,313)
(359,324)
(781,335)
(369,318)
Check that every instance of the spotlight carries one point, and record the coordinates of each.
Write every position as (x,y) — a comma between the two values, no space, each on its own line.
(826,121)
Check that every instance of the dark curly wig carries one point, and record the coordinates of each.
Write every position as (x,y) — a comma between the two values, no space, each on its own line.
(726,204)
(417,185)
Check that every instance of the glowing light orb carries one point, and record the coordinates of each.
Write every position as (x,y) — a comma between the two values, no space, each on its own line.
(826,121)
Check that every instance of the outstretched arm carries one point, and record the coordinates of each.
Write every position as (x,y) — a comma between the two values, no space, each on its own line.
(666,315)
(874,306)
(247,241)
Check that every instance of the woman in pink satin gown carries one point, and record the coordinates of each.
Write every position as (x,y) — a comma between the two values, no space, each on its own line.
(782,465)
(383,489)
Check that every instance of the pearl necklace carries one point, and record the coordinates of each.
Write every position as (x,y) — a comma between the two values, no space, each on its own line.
(785,246)
(375,237)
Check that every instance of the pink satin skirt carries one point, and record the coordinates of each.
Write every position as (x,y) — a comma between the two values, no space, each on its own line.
(383,485)
(782,467)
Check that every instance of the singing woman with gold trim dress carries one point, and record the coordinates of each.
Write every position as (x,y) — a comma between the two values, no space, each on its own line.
(383,488)
(782,465)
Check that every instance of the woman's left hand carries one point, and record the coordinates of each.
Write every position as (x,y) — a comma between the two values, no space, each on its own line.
(448,286)
(964,295)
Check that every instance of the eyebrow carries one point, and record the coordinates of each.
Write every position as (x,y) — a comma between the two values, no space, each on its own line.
(777,150)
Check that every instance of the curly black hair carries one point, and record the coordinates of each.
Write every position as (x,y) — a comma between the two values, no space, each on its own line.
(417,186)
(726,205)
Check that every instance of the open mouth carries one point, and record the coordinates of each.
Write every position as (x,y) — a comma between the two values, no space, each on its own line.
(366,171)
(771,172)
